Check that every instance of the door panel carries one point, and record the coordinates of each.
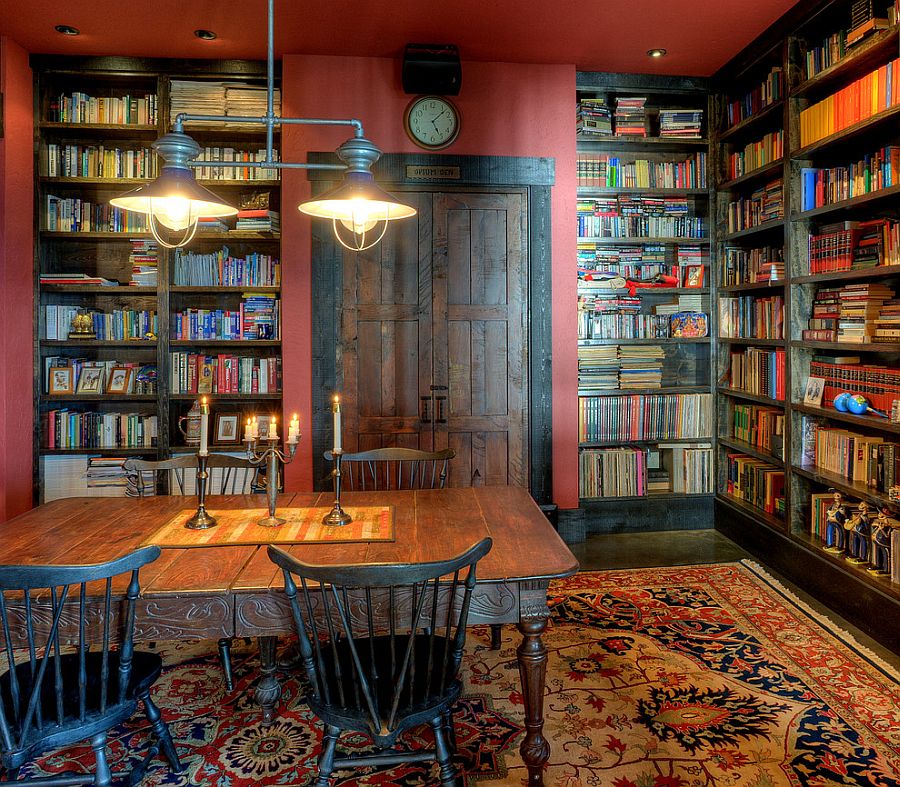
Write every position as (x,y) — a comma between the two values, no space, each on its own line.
(441,304)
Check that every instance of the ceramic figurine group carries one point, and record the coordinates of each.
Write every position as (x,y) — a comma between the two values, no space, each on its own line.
(857,536)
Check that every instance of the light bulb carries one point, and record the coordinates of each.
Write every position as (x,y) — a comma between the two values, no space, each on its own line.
(173,212)
(362,217)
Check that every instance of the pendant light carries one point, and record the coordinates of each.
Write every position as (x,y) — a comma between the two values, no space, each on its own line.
(174,203)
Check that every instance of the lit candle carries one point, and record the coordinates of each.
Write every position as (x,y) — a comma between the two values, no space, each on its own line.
(247,432)
(294,430)
(273,429)
(204,427)
(337,423)
(254,430)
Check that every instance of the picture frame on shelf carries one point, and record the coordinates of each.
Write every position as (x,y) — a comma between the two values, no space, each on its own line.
(120,378)
(90,381)
(227,430)
(263,425)
(61,381)
(815,388)
(693,276)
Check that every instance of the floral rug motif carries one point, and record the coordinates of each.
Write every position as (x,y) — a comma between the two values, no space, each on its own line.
(673,677)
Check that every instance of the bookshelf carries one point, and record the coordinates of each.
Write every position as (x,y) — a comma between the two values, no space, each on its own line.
(838,274)
(212,307)
(645,397)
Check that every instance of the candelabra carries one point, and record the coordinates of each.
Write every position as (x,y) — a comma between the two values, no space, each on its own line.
(337,516)
(271,455)
(202,519)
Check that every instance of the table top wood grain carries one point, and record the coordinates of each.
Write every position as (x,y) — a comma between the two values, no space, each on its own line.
(429,525)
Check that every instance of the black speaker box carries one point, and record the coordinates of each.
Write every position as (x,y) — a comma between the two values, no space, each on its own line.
(432,68)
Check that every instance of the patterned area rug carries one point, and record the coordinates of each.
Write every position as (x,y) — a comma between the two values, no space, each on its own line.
(681,677)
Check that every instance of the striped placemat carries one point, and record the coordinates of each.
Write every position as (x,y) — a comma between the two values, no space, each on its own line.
(303,525)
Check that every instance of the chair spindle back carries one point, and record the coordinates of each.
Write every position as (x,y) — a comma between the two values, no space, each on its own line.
(394,468)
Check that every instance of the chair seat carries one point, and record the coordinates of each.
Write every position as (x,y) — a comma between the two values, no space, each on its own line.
(145,669)
(422,700)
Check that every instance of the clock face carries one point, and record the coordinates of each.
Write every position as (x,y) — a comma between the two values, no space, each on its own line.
(432,122)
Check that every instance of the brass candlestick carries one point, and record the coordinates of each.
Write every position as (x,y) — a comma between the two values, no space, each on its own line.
(271,455)
(202,519)
(337,517)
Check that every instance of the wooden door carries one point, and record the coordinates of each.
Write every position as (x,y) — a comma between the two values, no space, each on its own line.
(434,336)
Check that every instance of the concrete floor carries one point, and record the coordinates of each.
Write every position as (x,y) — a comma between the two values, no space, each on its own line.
(693,547)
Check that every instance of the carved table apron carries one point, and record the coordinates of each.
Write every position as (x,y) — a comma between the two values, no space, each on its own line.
(223,591)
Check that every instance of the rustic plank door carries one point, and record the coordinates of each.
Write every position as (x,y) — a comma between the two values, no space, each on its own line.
(434,336)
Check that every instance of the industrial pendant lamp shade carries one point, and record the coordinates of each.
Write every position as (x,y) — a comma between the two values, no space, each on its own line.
(359,207)
(174,203)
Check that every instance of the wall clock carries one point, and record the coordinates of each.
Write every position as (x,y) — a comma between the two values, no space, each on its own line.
(432,122)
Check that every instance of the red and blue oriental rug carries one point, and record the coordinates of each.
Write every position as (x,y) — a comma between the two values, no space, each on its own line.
(681,677)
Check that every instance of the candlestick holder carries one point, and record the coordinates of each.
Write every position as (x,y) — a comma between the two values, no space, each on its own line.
(337,517)
(202,519)
(271,455)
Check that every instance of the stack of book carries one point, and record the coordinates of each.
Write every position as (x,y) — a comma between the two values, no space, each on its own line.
(221,98)
(764,204)
(863,21)
(641,366)
(860,308)
(756,482)
(631,118)
(887,326)
(756,154)
(598,369)
(76,278)
(826,313)
(760,426)
(613,472)
(258,221)
(764,94)
(144,260)
(594,118)
(750,317)
(212,224)
(221,269)
(852,245)
(224,373)
(681,123)
(758,371)
(106,473)
(259,316)
(748,266)
(873,172)
(647,417)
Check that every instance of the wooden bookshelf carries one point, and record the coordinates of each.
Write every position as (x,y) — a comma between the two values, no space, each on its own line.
(648,511)
(789,543)
(106,254)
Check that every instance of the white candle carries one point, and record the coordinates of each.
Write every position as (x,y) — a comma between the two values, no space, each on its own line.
(204,427)
(294,431)
(337,423)
(247,432)
(254,431)
(273,429)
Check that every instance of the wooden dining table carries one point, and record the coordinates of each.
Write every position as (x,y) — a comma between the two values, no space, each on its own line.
(234,590)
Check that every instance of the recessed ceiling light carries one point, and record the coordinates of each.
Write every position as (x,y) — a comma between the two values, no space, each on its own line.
(656,53)
(206,35)
(67,30)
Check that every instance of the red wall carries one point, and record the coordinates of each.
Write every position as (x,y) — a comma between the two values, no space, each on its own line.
(507,110)
(16,280)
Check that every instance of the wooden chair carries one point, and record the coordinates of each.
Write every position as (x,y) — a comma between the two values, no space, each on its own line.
(56,689)
(394,468)
(229,475)
(381,646)
(400,468)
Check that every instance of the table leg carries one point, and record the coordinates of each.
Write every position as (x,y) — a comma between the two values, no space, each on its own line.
(268,690)
(535,749)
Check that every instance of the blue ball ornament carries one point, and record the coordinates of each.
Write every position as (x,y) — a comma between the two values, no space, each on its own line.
(841,402)
(857,404)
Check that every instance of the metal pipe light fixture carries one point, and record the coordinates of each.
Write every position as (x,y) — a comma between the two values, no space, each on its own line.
(174,203)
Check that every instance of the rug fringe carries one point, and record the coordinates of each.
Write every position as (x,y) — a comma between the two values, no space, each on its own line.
(824,621)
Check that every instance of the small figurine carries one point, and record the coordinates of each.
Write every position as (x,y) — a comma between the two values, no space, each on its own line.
(859,533)
(882,529)
(82,327)
(835,518)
